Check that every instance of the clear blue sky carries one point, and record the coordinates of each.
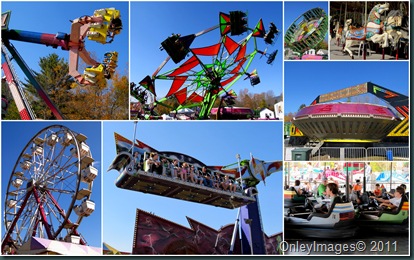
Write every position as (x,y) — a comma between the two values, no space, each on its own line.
(304,81)
(213,144)
(294,9)
(53,17)
(16,135)
(153,22)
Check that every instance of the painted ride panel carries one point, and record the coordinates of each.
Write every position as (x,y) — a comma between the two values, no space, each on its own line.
(339,223)
(346,121)
(385,221)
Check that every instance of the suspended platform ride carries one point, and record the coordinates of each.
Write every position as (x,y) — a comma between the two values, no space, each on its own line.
(162,185)
(134,177)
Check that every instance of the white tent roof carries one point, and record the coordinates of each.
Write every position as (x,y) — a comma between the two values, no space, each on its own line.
(37,246)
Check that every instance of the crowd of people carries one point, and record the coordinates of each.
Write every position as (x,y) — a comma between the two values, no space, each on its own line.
(186,172)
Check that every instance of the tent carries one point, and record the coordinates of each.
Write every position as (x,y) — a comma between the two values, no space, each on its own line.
(43,246)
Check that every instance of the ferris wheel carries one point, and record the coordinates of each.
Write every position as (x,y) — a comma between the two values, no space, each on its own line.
(49,190)
(307,31)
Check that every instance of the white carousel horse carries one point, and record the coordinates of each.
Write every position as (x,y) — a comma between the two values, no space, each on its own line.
(371,32)
(342,34)
(396,27)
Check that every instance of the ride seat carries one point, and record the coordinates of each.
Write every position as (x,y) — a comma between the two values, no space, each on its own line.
(326,215)
(296,192)
(396,210)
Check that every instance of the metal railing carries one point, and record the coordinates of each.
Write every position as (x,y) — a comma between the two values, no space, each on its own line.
(359,154)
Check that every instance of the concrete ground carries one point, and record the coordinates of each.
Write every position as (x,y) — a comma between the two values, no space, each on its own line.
(337,54)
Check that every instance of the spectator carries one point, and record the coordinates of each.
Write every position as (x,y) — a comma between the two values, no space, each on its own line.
(322,187)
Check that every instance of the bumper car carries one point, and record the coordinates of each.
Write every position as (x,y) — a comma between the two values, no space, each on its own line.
(291,198)
(306,221)
(372,218)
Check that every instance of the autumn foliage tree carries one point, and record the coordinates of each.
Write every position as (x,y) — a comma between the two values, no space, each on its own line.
(77,102)
(257,101)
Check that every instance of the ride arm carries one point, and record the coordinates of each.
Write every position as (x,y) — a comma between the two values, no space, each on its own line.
(104,23)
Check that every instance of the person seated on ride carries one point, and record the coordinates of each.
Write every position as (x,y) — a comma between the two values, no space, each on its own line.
(214,180)
(164,164)
(332,193)
(322,187)
(232,185)
(307,188)
(137,161)
(197,177)
(219,180)
(377,192)
(184,172)
(206,177)
(391,203)
(353,196)
(175,169)
(152,164)
(297,188)
(357,186)
(191,174)
(405,190)
(225,184)
(236,184)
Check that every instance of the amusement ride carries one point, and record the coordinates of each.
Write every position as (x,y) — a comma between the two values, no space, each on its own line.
(307,31)
(49,191)
(327,123)
(101,27)
(210,71)
(246,174)
(382,26)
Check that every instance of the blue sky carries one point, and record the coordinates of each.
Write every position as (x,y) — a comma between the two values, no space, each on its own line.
(213,144)
(13,144)
(293,9)
(318,78)
(53,17)
(148,31)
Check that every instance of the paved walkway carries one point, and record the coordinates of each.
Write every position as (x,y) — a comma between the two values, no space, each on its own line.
(337,54)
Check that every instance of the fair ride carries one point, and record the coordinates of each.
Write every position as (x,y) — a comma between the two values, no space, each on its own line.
(307,31)
(245,174)
(329,122)
(101,27)
(388,28)
(210,71)
(49,191)
(347,217)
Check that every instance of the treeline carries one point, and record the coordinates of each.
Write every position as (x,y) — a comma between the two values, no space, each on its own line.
(74,102)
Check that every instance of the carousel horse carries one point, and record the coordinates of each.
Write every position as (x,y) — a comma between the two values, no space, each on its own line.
(342,34)
(373,30)
(396,26)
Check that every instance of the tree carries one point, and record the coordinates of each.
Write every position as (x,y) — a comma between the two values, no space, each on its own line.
(301,106)
(97,103)
(76,102)
(289,117)
(12,112)
(53,78)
